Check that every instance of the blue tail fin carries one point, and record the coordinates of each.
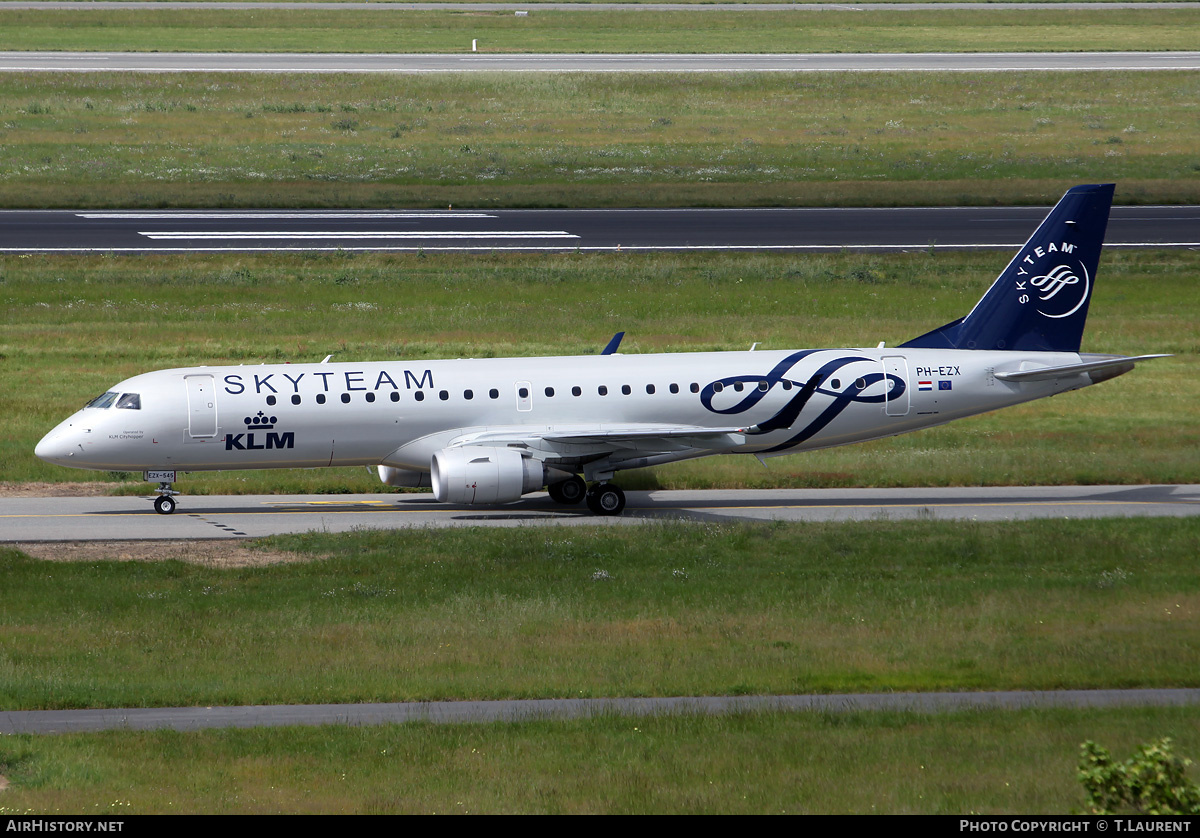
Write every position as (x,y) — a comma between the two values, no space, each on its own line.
(1040,301)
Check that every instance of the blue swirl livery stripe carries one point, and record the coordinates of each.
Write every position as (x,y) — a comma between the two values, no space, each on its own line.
(788,415)
(775,376)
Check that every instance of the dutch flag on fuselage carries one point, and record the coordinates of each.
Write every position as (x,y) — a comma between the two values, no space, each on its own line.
(1040,301)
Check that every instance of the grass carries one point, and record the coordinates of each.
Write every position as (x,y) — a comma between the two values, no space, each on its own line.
(986,763)
(601,31)
(657,610)
(493,140)
(74,325)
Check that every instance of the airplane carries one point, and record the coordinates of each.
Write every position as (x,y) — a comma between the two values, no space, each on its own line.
(489,431)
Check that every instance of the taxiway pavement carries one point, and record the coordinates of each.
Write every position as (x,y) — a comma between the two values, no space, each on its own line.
(451,712)
(219,62)
(245,516)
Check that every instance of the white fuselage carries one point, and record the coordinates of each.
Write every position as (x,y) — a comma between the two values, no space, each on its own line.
(400,413)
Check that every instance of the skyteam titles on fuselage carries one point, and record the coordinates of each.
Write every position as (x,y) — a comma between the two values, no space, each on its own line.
(235,384)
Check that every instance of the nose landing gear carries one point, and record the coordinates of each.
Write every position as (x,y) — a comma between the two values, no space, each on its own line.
(164,504)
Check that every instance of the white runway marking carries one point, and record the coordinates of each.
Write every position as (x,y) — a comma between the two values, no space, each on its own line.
(275,216)
(348,234)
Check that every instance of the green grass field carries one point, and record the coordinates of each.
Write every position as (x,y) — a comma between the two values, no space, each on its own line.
(75,325)
(601,31)
(996,763)
(654,610)
(484,140)
(680,609)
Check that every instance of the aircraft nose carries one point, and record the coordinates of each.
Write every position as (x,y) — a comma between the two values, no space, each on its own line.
(56,447)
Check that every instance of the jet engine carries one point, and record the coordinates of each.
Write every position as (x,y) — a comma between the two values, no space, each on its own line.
(484,475)
(403,478)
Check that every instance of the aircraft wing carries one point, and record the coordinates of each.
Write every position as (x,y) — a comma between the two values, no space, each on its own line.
(638,437)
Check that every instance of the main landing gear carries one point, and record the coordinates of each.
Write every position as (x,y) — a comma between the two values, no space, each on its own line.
(601,498)
(569,491)
(605,499)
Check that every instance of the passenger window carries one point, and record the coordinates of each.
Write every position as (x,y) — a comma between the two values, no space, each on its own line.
(105,400)
(764,386)
(320,398)
(444,395)
(737,385)
(787,385)
(626,389)
(270,400)
(674,388)
(575,391)
(650,389)
(835,384)
(602,390)
(695,388)
(468,394)
(549,392)
(419,395)
(370,397)
(718,387)
(523,392)
(345,398)
(295,400)
(395,396)
(861,383)
(130,401)
(493,394)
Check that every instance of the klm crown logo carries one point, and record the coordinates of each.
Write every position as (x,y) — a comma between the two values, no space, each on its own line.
(261,422)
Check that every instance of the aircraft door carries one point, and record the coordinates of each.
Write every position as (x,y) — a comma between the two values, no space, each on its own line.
(202,406)
(524,396)
(895,372)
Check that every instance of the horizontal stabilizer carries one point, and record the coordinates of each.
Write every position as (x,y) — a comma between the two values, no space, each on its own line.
(1115,365)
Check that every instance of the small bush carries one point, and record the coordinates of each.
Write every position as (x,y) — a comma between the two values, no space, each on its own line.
(1151,782)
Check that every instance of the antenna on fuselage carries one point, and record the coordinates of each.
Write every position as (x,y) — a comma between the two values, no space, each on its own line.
(327,357)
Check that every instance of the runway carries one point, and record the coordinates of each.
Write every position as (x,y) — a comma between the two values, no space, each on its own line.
(86,231)
(28,520)
(181,62)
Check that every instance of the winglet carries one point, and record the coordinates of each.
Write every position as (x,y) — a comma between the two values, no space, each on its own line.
(611,349)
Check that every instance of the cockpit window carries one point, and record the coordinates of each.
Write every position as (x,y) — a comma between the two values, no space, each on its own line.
(130,401)
(103,401)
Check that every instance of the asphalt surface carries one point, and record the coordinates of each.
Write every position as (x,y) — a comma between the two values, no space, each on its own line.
(568,230)
(176,62)
(76,5)
(451,712)
(27,520)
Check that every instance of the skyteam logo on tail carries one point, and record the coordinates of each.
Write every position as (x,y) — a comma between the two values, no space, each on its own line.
(1055,281)
(1056,292)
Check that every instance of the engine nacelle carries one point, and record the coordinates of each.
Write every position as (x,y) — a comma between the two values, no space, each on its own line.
(404,478)
(484,475)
